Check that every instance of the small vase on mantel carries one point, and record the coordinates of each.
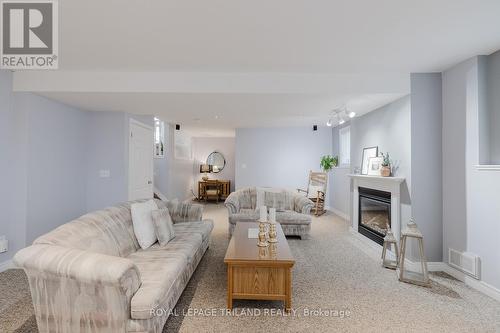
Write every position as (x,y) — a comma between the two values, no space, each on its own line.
(385,171)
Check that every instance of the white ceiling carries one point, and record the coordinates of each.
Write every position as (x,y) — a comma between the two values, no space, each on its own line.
(206,115)
(376,41)
(324,36)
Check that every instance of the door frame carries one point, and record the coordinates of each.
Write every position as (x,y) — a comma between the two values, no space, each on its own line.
(129,135)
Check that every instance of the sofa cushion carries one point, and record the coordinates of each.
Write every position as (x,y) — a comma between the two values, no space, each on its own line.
(159,271)
(292,217)
(142,220)
(249,215)
(184,245)
(164,228)
(204,228)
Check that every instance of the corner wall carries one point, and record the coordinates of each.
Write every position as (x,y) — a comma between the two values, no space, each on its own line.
(470,196)
(279,157)
(426,160)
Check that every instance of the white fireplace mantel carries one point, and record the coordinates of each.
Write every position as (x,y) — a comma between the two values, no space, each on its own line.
(387,184)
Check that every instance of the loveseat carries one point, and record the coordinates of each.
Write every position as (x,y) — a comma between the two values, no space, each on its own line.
(293,209)
(90,275)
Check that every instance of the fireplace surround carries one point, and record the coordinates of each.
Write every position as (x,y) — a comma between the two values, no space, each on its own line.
(391,185)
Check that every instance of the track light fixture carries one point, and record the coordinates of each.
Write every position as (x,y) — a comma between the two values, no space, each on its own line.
(339,116)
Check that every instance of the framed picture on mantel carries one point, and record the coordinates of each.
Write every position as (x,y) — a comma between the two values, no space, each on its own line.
(368,153)
(374,166)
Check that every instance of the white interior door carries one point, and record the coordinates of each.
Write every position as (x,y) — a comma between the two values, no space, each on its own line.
(140,161)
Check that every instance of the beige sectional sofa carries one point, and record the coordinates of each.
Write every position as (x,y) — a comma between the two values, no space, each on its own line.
(293,212)
(90,275)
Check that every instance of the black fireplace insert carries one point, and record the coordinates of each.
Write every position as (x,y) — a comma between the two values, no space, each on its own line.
(374,213)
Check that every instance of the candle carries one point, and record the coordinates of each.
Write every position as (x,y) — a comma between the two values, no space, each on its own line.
(263,214)
(272,215)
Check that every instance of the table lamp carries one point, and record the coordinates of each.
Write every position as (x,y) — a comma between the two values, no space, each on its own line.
(205,169)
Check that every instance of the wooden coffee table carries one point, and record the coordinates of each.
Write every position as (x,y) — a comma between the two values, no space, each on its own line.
(261,273)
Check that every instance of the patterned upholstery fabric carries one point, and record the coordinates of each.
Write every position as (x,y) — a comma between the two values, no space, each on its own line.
(204,228)
(90,276)
(281,200)
(295,220)
(186,212)
(159,272)
(108,231)
(164,227)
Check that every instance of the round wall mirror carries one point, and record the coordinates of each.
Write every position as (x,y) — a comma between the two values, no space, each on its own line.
(217,161)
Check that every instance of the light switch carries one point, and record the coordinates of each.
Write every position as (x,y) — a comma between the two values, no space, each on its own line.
(104,173)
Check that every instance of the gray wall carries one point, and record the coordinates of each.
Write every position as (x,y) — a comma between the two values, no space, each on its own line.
(338,182)
(51,157)
(43,168)
(493,105)
(13,191)
(454,184)
(389,128)
(279,157)
(202,147)
(173,177)
(426,160)
(181,171)
(106,150)
(470,196)
(56,188)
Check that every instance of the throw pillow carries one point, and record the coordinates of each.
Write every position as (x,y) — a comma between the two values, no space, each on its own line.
(142,221)
(275,198)
(164,228)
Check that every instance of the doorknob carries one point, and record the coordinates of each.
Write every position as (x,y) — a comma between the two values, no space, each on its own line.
(150,182)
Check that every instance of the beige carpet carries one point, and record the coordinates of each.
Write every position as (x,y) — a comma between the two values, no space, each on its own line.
(333,276)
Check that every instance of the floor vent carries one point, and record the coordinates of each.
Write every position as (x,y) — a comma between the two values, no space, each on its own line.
(465,262)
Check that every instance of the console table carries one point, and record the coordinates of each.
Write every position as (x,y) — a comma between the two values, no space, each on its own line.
(225,188)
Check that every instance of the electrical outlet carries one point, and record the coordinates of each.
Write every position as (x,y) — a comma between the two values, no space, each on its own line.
(4,244)
(104,173)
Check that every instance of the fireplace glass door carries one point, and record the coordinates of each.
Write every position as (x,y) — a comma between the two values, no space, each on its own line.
(374,214)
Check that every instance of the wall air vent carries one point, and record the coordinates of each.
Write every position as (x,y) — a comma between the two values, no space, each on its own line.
(464,261)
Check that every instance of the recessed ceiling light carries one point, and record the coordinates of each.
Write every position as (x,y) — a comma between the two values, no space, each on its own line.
(341,121)
(352,114)
(329,123)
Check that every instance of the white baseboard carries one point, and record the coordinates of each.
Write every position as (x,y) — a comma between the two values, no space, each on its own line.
(479,285)
(374,250)
(6,265)
(339,213)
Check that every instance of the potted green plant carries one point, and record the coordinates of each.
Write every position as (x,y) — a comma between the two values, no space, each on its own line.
(328,162)
(385,170)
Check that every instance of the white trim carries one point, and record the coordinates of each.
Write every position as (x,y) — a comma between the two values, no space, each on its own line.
(479,285)
(488,167)
(374,250)
(6,265)
(388,184)
(343,215)
(139,123)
